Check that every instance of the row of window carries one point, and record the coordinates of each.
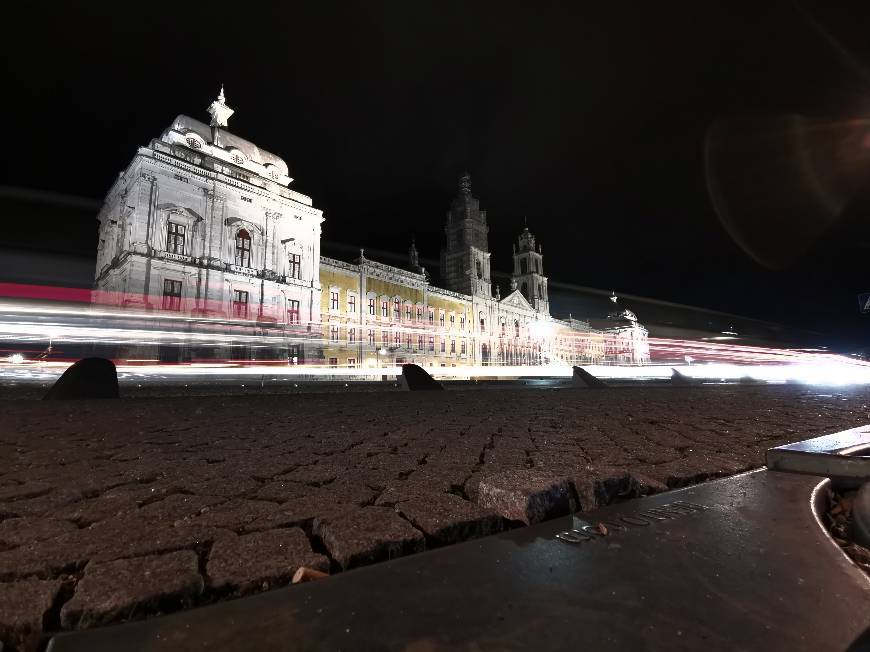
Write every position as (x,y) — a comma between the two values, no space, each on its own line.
(397,310)
(423,342)
(351,363)
(175,244)
(172,301)
(237,156)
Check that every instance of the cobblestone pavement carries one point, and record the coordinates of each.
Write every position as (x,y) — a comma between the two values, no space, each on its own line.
(117,510)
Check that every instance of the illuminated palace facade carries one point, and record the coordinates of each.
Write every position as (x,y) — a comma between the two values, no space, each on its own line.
(203,224)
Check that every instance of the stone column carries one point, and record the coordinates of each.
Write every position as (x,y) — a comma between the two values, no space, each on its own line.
(149,226)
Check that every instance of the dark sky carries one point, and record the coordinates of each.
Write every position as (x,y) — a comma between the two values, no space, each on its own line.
(588,118)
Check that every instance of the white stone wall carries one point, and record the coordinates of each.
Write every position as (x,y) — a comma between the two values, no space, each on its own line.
(161,186)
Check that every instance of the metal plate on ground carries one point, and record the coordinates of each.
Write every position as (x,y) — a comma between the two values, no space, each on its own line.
(834,456)
(739,563)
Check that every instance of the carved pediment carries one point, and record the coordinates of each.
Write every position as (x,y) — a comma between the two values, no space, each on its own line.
(517,300)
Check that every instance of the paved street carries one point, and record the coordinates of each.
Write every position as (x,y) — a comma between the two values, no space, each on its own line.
(125,509)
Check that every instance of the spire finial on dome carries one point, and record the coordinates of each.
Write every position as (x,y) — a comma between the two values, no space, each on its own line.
(219,111)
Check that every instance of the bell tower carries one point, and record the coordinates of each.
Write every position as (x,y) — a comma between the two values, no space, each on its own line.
(529,272)
(465,265)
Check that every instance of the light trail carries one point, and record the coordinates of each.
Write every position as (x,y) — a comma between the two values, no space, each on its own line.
(26,327)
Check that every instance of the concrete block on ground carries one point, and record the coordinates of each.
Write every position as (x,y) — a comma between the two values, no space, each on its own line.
(89,378)
(582,378)
(414,378)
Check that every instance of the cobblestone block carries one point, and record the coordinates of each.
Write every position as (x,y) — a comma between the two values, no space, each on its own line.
(448,519)
(16,531)
(127,588)
(527,495)
(261,560)
(368,535)
(23,606)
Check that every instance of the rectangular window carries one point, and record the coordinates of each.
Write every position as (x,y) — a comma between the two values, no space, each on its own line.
(408,312)
(419,313)
(243,249)
(452,320)
(333,300)
(371,337)
(420,342)
(294,266)
(333,362)
(452,346)
(397,309)
(333,333)
(462,322)
(351,335)
(408,340)
(351,363)
(292,311)
(431,316)
(441,318)
(371,306)
(432,344)
(351,303)
(385,337)
(442,345)
(240,304)
(175,238)
(171,295)
(462,348)
(397,338)
(384,309)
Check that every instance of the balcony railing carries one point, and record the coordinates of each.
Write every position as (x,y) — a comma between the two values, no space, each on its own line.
(247,271)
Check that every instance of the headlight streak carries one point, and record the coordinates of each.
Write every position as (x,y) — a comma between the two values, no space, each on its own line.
(60,324)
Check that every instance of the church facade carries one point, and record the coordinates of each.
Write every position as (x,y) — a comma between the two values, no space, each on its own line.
(203,224)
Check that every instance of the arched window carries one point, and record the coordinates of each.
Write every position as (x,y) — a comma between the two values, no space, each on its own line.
(524,266)
(525,290)
(536,265)
(482,322)
(540,296)
(516,327)
(479,269)
(243,249)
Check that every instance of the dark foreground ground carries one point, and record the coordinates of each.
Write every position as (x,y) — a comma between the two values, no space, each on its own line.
(118,510)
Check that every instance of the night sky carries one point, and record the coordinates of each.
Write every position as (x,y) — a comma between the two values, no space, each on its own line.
(588,119)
